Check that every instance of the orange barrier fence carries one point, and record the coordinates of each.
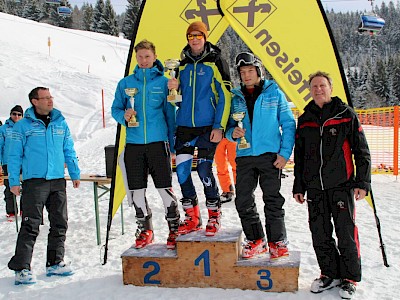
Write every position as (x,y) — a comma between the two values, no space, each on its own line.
(381,127)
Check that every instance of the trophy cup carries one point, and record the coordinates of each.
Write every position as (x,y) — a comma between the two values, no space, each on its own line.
(131,92)
(171,65)
(239,116)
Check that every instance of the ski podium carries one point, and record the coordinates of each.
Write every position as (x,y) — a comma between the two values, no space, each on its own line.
(201,261)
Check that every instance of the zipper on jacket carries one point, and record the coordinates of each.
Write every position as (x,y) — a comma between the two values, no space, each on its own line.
(194,92)
(321,131)
(212,104)
(144,106)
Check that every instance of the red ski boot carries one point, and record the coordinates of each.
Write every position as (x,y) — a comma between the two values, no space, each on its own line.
(192,220)
(214,221)
(144,238)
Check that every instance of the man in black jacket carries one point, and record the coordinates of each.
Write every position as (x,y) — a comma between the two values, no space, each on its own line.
(328,135)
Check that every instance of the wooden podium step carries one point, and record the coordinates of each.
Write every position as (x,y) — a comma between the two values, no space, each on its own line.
(201,261)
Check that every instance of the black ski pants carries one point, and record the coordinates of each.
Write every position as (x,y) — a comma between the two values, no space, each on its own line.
(40,193)
(249,171)
(341,260)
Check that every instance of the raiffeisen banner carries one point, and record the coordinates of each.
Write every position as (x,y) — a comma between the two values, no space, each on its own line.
(293,40)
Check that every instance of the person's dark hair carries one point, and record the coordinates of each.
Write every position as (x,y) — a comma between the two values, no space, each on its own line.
(320,74)
(34,94)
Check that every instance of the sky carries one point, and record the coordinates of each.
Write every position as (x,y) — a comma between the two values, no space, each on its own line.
(25,63)
(336,5)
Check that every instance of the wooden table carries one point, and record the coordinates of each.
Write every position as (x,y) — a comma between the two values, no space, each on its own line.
(99,183)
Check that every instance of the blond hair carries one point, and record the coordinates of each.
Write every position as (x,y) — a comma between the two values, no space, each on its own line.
(320,74)
(145,44)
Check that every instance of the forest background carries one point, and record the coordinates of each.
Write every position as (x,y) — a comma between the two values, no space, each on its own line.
(371,62)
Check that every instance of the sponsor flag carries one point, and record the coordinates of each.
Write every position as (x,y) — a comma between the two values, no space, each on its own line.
(292,38)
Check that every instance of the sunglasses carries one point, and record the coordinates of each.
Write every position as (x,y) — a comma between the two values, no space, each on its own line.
(245,58)
(16,114)
(197,36)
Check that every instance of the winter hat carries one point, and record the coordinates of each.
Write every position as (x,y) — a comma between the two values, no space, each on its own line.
(198,26)
(17,108)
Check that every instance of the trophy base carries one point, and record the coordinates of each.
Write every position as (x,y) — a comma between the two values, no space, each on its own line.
(133,124)
(244,146)
(174,98)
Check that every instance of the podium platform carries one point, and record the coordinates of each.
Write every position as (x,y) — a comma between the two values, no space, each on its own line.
(201,261)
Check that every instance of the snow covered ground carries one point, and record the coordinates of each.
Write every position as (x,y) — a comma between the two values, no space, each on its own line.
(25,63)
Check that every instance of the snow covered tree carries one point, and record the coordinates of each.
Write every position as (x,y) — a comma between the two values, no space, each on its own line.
(31,10)
(87,16)
(108,22)
(97,14)
(130,17)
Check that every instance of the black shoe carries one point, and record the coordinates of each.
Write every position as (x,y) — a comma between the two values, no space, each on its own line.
(226,197)
(347,289)
(323,283)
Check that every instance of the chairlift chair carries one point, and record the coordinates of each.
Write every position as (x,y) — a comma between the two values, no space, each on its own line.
(64,11)
(371,24)
(53,1)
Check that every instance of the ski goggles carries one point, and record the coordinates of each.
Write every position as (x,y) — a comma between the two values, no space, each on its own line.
(195,36)
(245,58)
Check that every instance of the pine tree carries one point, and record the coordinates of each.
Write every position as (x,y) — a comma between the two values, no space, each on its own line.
(87,16)
(97,14)
(108,22)
(130,17)
(31,10)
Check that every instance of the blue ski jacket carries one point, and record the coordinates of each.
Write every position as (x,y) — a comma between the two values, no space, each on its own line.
(203,83)
(273,128)
(41,152)
(5,136)
(156,116)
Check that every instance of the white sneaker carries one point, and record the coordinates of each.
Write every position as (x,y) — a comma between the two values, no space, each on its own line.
(61,269)
(323,283)
(24,276)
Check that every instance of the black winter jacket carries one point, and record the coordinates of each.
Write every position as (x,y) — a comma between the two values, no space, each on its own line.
(325,141)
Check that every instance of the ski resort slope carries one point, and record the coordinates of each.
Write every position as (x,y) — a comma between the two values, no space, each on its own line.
(25,63)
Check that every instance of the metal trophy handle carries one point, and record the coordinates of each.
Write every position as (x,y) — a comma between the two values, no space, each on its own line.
(171,65)
(239,116)
(131,92)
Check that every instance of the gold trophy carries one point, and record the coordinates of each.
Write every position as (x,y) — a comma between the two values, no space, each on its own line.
(131,92)
(171,65)
(239,116)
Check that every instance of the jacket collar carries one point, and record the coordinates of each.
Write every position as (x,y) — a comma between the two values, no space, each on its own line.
(150,73)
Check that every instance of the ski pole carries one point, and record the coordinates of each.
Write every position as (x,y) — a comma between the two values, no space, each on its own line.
(378,226)
(16,211)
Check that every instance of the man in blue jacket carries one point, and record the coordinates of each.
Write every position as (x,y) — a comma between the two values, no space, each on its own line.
(147,149)
(202,115)
(16,114)
(41,145)
(269,129)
